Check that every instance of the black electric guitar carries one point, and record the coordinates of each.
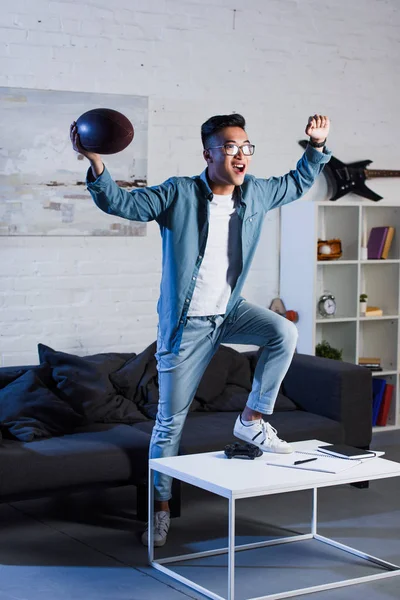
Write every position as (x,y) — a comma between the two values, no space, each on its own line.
(351,177)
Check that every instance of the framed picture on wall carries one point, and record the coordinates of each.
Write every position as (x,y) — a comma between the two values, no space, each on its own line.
(42,179)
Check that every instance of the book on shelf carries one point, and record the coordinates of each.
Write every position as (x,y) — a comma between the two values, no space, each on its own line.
(385,405)
(378,388)
(388,242)
(370,362)
(369,359)
(373,311)
(376,242)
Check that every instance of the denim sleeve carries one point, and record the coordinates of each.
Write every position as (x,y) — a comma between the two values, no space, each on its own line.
(142,204)
(277,191)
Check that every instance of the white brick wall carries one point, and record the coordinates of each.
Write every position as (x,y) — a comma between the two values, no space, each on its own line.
(277,61)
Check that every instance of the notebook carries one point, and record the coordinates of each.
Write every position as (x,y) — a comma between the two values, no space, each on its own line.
(324,462)
(344,451)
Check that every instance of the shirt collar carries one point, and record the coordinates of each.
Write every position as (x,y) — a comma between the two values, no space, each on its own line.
(237,192)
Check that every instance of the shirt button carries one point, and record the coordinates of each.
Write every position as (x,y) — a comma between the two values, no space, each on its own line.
(187,300)
(251,220)
(194,278)
(200,257)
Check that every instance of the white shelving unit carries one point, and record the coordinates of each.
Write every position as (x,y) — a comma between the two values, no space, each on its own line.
(303,279)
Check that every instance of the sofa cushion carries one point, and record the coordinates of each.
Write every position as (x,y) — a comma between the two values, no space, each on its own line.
(84,382)
(99,454)
(29,408)
(284,404)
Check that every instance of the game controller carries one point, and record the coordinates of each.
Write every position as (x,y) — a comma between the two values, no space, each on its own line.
(237,450)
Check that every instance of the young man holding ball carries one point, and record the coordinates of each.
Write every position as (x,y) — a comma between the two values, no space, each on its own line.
(210,225)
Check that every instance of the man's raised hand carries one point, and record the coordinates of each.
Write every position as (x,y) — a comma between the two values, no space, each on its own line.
(318,128)
(76,144)
(95,159)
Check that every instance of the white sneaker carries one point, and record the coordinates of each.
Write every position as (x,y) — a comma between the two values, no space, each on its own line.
(261,434)
(161,526)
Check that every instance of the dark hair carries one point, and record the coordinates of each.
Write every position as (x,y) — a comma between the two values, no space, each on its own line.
(215,124)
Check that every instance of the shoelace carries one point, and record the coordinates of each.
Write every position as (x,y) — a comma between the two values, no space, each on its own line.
(161,523)
(272,433)
(268,433)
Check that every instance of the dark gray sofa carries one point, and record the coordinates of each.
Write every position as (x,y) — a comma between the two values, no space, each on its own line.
(73,423)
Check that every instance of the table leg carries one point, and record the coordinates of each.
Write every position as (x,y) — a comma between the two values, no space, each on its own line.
(150,513)
(314,512)
(231,550)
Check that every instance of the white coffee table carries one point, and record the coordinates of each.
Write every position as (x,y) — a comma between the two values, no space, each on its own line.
(236,479)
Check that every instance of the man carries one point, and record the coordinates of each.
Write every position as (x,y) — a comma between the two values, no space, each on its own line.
(210,225)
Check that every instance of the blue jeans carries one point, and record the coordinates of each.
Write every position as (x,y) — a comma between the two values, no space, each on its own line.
(179,375)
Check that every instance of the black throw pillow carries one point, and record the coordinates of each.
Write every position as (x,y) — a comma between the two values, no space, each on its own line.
(84,382)
(228,367)
(30,410)
(9,374)
(138,381)
(134,377)
(215,376)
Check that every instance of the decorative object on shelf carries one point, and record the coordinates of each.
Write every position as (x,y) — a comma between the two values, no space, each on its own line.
(278,306)
(371,363)
(292,315)
(327,305)
(363,304)
(351,177)
(325,350)
(329,249)
(373,311)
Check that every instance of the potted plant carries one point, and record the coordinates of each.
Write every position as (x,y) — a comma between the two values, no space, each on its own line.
(363,304)
(325,350)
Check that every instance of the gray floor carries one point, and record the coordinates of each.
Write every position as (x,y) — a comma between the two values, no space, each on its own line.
(88,546)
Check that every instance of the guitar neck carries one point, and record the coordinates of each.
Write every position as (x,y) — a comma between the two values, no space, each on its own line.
(370,173)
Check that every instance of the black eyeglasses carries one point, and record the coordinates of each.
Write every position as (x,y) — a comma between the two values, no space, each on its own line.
(233,149)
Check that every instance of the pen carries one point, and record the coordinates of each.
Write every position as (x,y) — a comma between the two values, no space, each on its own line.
(301,462)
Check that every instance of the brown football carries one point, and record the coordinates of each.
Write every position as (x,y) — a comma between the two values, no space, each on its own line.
(104,131)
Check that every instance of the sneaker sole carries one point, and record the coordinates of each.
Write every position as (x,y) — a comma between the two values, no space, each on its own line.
(156,544)
(263,448)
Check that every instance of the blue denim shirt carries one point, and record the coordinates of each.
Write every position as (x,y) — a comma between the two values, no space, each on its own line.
(180,206)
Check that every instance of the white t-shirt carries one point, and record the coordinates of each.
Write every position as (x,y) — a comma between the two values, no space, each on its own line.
(222,261)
